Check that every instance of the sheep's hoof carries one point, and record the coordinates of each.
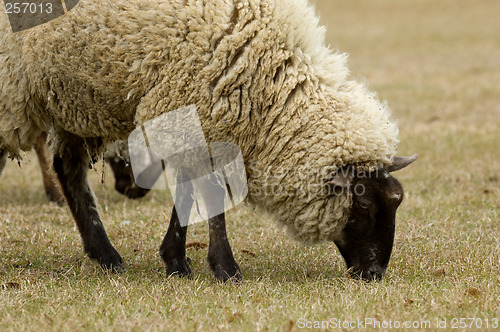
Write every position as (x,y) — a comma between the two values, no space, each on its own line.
(110,260)
(231,272)
(178,267)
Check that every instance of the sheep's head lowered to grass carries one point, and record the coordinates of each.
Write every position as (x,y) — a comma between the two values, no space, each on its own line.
(261,76)
(366,240)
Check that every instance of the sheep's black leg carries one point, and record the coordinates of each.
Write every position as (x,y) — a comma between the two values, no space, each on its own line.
(3,160)
(220,255)
(124,177)
(173,248)
(72,167)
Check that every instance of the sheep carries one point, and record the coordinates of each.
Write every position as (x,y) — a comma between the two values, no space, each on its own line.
(3,160)
(261,77)
(117,158)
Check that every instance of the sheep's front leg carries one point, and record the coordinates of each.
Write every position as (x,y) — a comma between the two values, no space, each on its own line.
(220,255)
(173,248)
(51,189)
(72,167)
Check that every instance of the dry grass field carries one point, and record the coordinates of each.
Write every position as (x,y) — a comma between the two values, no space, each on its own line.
(437,63)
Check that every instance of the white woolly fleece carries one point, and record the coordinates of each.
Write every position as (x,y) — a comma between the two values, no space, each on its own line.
(258,71)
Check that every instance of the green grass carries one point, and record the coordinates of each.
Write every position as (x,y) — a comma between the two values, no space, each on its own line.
(438,65)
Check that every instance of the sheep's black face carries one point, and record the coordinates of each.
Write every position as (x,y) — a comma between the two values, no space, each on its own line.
(124,180)
(367,239)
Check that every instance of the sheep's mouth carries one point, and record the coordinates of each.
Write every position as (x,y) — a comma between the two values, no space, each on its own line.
(368,275)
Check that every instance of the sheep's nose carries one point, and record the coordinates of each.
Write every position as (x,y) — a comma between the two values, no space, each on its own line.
(121,185)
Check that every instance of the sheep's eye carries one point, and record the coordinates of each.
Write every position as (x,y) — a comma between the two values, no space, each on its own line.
(363,205)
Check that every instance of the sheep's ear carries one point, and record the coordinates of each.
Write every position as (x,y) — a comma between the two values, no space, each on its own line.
(401,162)
(343,178)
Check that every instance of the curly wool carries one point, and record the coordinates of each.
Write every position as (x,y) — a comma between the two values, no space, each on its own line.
(258,71)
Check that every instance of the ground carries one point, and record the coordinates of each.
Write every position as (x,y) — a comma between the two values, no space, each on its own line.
(437,63)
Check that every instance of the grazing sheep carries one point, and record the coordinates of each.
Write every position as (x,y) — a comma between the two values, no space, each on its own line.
(261,77)
(52,191)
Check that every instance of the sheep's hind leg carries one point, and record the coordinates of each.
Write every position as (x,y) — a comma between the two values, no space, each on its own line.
(173,248)
(3,160)
(72,167)
(220,255)
(49,183)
